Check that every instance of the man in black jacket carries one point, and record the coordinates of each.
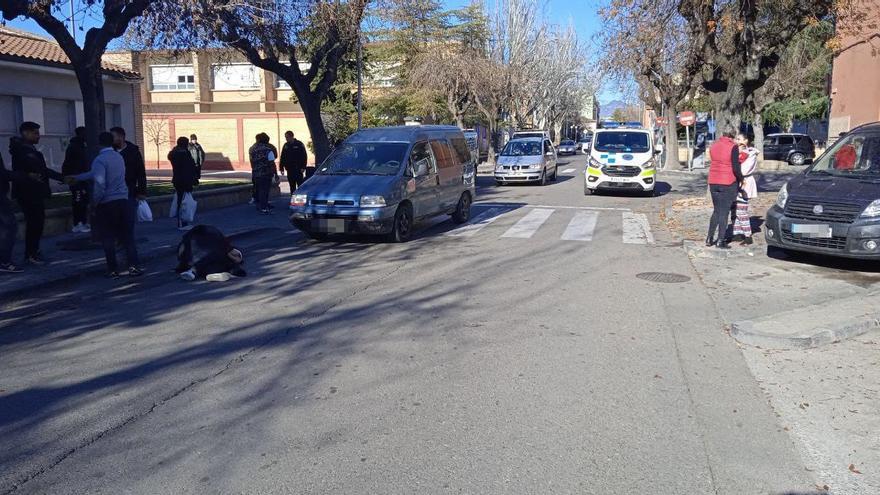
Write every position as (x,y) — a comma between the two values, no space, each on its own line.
(75,163)
(294,160)
(31,193)
(8,223)
(198,154)
(184,175)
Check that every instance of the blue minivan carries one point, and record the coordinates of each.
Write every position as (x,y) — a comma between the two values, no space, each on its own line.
(385,180)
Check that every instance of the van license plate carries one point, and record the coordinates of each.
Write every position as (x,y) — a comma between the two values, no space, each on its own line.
(332,225)
(820,231)
(620,179)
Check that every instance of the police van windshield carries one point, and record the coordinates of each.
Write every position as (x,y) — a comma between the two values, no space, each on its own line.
(856,155)
(365,159)
(630,142)
(522,148)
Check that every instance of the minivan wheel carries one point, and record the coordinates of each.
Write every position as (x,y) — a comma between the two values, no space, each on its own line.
(543,180)
(555,174)
(403,223)
(796,159)
(587,190)
(463,210)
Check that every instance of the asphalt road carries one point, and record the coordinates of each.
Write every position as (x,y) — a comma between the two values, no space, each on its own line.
(520,354)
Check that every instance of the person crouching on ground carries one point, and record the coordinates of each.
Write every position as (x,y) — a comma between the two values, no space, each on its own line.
(748,191)
(112,212)
(205,252)
(184,175)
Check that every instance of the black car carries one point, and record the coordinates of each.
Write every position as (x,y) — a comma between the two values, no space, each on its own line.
(796,149)
(833,207)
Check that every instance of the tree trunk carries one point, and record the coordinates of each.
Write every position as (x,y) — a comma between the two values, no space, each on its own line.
(311,107)
(672,162)
(92,87)
(729,108)
(758,128)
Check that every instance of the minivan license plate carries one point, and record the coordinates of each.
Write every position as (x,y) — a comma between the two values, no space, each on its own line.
(812,230)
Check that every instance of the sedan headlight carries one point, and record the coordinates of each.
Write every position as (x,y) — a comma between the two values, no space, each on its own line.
(299,200)
(782,197)
(873,209)
(372,201)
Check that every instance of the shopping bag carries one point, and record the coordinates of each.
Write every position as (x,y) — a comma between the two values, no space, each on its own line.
(144,213)
(188,208)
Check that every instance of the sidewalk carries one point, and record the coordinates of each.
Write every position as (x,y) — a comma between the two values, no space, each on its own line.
(74,256)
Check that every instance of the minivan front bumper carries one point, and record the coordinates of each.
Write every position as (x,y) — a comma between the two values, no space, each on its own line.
(860,239)
(330,220)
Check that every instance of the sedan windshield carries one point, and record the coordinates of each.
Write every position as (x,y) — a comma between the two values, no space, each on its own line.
(365,159)
(566,143)
(522,148)
(855,155)
(631,142)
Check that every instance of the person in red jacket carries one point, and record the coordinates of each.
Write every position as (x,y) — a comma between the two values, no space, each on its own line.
(725,178)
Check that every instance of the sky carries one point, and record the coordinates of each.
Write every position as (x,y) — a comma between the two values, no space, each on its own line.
(582,14)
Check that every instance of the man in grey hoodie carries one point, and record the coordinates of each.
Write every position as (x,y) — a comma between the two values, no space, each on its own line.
(112,214)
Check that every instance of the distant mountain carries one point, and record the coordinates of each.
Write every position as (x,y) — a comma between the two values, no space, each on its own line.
(606,110)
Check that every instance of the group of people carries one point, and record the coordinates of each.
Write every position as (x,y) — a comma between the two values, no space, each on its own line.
(262,154)
(732,186)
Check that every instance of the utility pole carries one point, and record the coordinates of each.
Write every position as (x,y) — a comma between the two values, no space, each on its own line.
(360,61)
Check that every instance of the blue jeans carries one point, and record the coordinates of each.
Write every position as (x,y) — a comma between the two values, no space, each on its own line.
(8,230)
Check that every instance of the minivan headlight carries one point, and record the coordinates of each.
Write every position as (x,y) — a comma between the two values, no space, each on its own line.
(372,201)
(595,163)
(299,200)
(873,209)
(648,165)
(536,166)
(782,197)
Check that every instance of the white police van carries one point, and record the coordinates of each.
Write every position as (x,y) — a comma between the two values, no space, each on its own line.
(622,159)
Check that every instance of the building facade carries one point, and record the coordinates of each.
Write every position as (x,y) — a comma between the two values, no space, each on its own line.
(216,95)
(855,81)
(37,84)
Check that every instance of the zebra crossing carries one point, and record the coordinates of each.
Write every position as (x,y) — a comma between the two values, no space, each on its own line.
(581,224)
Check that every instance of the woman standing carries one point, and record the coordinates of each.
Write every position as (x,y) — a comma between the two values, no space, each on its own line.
(184,176)
(725,178)
(748,158)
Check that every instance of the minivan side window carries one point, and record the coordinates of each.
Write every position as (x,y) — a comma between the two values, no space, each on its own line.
(421,151)
(548,146)
(461,149)
(442,154)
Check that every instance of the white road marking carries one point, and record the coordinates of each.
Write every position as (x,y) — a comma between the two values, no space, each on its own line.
(568,171)
(477,223)
(556,207)
(581,227)
(636,229)
(529,224)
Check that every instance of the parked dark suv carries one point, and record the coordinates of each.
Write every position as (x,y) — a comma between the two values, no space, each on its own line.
(833,207)
(796,149)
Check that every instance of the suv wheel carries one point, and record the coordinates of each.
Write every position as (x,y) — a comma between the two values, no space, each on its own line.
(796,159)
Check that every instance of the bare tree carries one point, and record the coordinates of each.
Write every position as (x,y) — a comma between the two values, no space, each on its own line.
(85,59)
(303,43)
(156,132)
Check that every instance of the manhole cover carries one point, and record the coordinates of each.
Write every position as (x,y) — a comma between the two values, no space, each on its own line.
(664,278)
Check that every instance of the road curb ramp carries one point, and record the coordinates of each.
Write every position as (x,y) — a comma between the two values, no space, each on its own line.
(700,250)
(812,326)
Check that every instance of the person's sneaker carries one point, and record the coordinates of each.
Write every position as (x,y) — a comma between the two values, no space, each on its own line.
(86,228)
(113,275)
(747,241)
(218,277)
(185,227)
(252,201)
(188,275)
(77,228)
(134,271)
(35,260)
(9,268)
(265,212)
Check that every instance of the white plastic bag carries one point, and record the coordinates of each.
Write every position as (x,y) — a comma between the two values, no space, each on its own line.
(144,213)
(188,208)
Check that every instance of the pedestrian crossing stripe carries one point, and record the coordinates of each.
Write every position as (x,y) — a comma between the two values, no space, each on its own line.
(581,227)
(568,171)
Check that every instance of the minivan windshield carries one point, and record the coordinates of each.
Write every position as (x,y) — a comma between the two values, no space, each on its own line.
(365,159)
(522,148)
(631,142)
(855,155)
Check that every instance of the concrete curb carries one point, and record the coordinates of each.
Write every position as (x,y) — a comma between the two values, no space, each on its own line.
(812,326)
(698,250)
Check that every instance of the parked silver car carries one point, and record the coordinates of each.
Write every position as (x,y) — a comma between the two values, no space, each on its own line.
(526,160)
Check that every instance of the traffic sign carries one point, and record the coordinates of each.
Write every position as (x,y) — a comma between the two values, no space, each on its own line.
(687,119)
(661,121)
